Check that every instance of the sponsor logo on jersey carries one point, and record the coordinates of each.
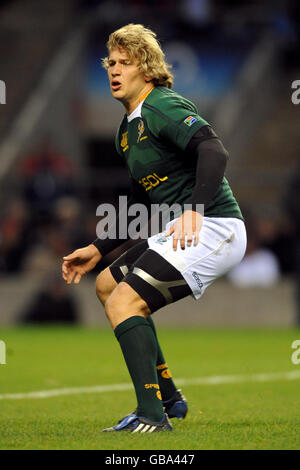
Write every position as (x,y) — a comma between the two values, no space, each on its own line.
(150,181)
(124,141)
(189,121)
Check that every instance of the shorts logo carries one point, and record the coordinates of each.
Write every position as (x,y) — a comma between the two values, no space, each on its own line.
(161,239)
(198,280)
(189,121)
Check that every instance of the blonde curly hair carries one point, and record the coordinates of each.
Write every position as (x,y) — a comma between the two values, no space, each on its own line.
(141,44)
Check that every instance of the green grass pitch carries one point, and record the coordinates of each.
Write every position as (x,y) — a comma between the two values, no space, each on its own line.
(247,414)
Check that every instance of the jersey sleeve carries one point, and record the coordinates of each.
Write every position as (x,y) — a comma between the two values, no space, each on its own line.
(175,122)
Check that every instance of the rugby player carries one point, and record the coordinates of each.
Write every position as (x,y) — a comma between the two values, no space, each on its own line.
(174,157)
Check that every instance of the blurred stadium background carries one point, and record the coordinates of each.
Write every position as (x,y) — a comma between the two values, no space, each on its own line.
(236,60)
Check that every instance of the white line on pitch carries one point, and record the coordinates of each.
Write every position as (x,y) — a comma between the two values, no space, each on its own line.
(213,380)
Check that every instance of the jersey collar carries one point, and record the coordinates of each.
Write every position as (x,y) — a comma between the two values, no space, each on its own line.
(137,111)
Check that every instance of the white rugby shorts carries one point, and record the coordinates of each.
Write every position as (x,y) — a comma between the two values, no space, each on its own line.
(222,245)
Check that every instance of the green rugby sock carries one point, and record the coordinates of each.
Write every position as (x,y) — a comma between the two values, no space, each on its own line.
(166,384)
(139,347)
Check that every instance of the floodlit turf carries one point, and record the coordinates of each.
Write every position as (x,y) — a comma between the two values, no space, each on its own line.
(246,415)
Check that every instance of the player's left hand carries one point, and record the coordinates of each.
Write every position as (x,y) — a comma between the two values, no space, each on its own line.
(186,229)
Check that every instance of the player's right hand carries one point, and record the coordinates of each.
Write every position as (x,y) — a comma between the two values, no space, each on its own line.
(79,262)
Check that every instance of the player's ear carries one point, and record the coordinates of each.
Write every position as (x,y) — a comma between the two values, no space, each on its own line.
(148,79)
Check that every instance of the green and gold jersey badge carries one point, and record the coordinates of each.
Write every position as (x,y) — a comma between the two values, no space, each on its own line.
(124,141)
(141,129)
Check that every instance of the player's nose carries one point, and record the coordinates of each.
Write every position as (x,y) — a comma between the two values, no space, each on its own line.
(116,70)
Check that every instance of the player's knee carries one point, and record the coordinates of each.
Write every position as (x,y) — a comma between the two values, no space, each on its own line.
(103,286)
(116,302)
(125,301)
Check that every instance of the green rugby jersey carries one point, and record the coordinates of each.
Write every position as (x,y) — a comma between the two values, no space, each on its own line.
(153,140)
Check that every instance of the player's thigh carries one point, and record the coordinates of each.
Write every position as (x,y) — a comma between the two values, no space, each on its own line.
(121,266)
(156,281)
(110,277)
